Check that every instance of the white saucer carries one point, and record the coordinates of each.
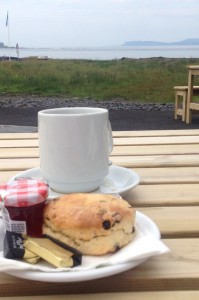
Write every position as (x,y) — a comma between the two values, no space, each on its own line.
(118,181)
(143,225)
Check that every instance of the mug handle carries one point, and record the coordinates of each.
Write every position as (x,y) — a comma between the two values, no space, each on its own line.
(110,138)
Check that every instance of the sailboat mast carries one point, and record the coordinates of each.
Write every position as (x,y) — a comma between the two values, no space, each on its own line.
(7,25)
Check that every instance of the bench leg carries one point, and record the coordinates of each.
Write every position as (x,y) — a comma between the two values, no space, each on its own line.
(176,106)
(189,98)
(180,111)
(189,116)
(184,106)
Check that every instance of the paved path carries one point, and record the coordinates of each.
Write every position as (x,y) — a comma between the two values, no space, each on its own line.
(25,120)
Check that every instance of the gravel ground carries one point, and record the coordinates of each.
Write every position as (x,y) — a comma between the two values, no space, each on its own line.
(19,113)
(49,102)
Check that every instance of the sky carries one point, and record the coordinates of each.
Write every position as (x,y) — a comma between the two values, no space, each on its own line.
(96,23)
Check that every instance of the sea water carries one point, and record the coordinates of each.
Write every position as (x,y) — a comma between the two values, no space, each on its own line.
(105,53)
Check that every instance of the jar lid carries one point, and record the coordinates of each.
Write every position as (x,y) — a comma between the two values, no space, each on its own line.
(23,192)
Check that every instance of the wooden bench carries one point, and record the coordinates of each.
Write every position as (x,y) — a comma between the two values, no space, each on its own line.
(181,100)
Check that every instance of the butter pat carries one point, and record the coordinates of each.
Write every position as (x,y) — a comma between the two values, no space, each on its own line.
(32,260)
(51,252)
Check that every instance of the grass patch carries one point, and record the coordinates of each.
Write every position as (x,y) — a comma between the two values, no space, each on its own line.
(139,80)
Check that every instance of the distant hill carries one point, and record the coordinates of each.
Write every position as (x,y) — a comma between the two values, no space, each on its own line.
(186,42)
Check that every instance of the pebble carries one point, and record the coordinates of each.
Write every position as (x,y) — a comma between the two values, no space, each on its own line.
(51,102)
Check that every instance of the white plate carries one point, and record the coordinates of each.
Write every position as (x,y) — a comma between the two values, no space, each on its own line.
(143,224)
(119,180)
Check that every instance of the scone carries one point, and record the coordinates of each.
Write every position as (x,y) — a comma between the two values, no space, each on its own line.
(94,224)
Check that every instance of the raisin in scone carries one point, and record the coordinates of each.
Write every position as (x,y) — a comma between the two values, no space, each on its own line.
(94,224)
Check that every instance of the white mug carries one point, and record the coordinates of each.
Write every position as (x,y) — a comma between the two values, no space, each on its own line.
(75,144)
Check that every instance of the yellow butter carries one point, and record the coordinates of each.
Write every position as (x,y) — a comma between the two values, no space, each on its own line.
(32,260)
(49,251)
(29,254)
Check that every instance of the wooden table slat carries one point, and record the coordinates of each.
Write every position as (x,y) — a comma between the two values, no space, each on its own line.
(159,140)
(163,295)
(152,161)
(174,222)
(155,133)
(131,150)
(14,143)
(168,175)
(19,136)
(19,152)
(18,164)
(164,195)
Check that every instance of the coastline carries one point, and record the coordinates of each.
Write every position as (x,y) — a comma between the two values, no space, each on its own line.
(107,52)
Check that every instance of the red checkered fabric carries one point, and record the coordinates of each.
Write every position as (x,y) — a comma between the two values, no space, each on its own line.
(23,192)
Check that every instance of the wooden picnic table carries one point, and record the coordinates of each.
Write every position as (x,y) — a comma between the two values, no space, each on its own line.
(168,165)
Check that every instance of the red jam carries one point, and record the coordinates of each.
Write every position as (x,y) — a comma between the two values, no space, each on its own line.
(23,205)
(32,215)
